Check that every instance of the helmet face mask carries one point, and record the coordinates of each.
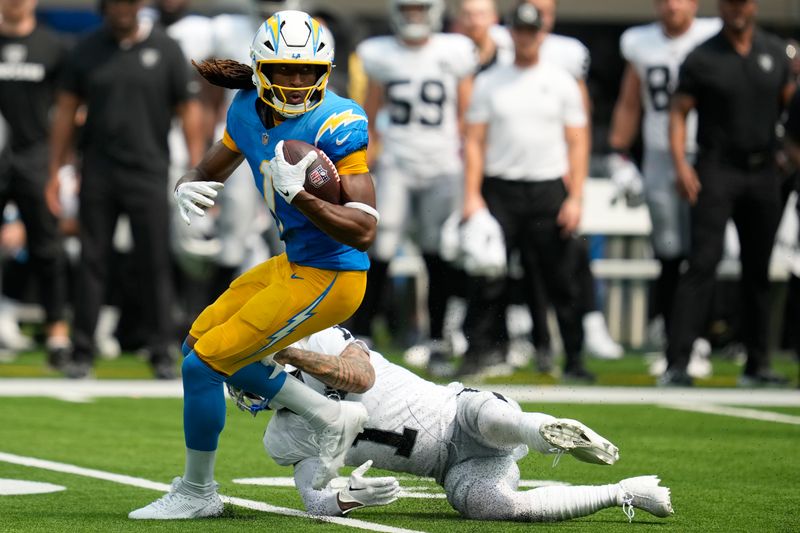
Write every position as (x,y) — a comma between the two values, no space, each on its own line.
(415,20)
(291,38)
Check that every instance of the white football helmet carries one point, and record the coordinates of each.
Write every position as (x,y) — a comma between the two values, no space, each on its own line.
(483,246)
(291,37)
(411,28)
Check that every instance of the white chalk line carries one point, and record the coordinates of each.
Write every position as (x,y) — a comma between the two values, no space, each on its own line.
(163,487)
(738,412)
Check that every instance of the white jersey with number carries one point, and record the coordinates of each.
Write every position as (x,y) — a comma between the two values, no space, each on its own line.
(657,58)
(410,422)
(566,52)
(420,99)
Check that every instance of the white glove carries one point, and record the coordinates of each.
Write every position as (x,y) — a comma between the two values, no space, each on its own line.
(365,491)
(194,194)
(626,179)
(288,179)
(483,245)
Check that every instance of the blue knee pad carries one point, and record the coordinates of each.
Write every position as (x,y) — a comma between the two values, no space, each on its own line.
(203,404)
(255,379)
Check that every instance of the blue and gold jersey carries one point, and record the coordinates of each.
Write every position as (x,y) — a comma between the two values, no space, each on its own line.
(338,127)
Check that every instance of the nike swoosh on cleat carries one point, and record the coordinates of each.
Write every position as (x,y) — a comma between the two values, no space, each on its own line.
(340,140)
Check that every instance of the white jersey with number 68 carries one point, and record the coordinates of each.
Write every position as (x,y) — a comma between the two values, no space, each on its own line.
(657,58)
(410,421)
(420,98)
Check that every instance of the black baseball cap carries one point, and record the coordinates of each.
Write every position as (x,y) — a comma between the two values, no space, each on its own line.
(525,16)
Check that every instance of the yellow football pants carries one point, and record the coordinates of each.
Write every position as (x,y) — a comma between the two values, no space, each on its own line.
(271,306)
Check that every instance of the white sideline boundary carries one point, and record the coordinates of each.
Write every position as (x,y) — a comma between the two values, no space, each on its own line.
(84,390)
(724,402)
(738,412)
(163,487)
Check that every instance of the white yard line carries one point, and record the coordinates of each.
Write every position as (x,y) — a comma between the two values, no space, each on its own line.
(162,487)
(739,412)
(84,390)
(649,395)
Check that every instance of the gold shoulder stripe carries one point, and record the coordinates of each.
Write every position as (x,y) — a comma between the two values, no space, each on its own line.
(230,143)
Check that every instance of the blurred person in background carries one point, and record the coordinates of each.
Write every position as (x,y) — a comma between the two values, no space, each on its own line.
(31,59)
(518,151)
(193,246)
(420,81)
(133,79)
(738,81)
(213,250)
(478,19)
(792,146)
(654,53)
(572,55)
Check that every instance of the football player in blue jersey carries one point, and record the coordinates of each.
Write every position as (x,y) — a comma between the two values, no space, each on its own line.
(320,279)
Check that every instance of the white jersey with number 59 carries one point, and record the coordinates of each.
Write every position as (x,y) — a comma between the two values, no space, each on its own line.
(420,98)
(657,58)
(410,421)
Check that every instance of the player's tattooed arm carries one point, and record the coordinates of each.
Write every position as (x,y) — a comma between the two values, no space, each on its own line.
(351,371)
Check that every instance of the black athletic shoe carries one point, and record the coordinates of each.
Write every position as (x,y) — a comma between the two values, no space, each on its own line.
(79,370)
(578,374)
(544,360)
(675,378)
(58,358)
(766,378)
(165,370)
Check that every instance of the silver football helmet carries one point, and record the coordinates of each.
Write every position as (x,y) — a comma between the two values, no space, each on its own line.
(412,26)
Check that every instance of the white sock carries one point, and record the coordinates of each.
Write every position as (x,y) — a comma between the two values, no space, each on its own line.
(551,504)
(506,427)
(318,410)
(198,478)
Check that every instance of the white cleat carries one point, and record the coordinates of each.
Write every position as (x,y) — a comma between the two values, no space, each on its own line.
(176,505)
(644,493)
(582,443)
(597,339)
(699,366)
(336,439)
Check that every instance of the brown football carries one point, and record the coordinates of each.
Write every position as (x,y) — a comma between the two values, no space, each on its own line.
(322,179)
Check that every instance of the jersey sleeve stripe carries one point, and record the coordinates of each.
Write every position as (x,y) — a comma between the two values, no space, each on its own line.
(354,163)
(229,143)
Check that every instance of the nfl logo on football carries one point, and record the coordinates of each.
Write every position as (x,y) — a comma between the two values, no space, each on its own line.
(318,176)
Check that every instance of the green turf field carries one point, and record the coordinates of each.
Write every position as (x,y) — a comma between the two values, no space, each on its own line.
(726,474)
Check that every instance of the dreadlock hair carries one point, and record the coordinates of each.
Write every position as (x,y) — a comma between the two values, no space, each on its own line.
(226,73)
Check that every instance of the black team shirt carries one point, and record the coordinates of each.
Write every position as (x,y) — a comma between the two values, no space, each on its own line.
(738,97)
(131,94)
(29,66)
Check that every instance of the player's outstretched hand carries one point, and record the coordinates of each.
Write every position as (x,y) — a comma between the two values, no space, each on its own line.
(195,196)
(288,179)
(359,491)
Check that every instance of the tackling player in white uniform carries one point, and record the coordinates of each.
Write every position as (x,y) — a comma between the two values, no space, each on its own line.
(420,81)
(468,440)
(654,53)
